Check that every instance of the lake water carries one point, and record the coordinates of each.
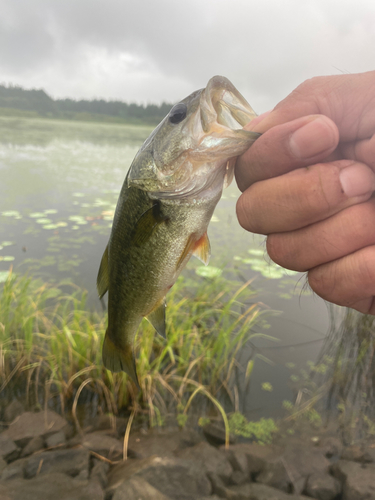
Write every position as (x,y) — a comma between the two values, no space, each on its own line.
(59,186)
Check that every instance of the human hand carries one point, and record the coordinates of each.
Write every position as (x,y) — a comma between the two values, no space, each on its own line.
(307,184)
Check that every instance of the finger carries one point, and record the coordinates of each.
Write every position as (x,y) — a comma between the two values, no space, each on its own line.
(349,281)
(292,145)
(363,151)
(304,196)
(349,100)
(326,241)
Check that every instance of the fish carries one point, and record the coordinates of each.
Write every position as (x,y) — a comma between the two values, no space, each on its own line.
(165,205)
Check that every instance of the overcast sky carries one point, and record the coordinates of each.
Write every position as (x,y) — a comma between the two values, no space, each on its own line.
(155,50)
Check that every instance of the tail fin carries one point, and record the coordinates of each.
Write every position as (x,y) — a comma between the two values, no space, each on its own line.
(117,359)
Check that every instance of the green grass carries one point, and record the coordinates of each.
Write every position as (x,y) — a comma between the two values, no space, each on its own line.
(50,348)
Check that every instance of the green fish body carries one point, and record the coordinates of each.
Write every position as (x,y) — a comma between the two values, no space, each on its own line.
(164,208)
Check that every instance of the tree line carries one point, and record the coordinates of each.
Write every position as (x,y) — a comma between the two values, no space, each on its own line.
(37,100)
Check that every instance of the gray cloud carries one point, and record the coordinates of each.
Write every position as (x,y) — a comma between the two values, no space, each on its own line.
(153,50)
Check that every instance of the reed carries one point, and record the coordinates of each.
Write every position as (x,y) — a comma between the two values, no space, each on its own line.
(50,349)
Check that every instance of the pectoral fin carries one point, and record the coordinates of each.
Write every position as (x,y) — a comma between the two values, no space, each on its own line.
(147,224)
(157,318)
(102,281)
(119,359)
(202,249)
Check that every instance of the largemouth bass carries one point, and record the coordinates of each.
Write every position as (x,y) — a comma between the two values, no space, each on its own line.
(165,205)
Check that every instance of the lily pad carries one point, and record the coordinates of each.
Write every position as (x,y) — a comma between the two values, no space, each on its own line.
(4,276)
(11,213)
(44,221)
(7,243)
(6,258)
(79,195)
(50,211)
(50,226)
(36,215)
(208,271)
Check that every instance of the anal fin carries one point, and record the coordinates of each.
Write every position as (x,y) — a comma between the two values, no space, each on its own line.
(157,318)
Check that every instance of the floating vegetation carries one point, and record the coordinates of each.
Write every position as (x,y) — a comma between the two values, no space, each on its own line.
(208,271)
(4,275)
(11,213)
(258,263)
(43,221)
(7,243)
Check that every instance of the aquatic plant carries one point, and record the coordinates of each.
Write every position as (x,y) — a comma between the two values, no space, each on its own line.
(50,348)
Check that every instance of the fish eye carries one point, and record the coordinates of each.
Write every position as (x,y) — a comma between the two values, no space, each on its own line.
(178,113)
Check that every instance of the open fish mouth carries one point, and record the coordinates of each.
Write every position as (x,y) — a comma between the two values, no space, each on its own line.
(221,103)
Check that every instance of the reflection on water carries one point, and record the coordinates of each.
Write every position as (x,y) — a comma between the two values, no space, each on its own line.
(59,186)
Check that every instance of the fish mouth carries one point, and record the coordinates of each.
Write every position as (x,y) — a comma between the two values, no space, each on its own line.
(222,104)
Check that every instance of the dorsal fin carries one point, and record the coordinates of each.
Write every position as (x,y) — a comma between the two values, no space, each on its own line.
(102,281)
(157,318)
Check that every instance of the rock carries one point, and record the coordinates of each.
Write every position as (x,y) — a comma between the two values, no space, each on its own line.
(14,470)
(358,480)
(352,453)
(99,472)
(214,432)
(30,425)
(331,446)
(56,439)
(250,458)
(322,486)
(3,464)
(33,446)
(13,410)
(239,477)
(138,489)
(172,477)
(162,444)
(8,449)
(256,491)
(104,445)
(50,487)
(209,459)
(301,461)
(274,474)
(70,462)
(217,484)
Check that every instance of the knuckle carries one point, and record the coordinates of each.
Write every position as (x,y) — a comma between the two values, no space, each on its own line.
(284,253)
(244,212)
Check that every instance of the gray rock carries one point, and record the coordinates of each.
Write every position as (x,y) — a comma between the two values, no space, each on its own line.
(209,459)
(8,449)
(358,480)
(274,474)
(33,446)
(352,453)
(56,439)
(250,458)
(13,410)
(99,473)
(3,464)
(331,446)
(256,491)
(322,486)
(218,486)
(138,489)
(172,477)
(50,487)
(162,444)
(70,462)
(14,470)
(301,461)
(214,432)
(239,477)
(29,425)
(104,445)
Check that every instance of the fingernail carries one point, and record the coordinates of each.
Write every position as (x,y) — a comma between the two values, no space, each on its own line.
(313,138)
(357,180)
